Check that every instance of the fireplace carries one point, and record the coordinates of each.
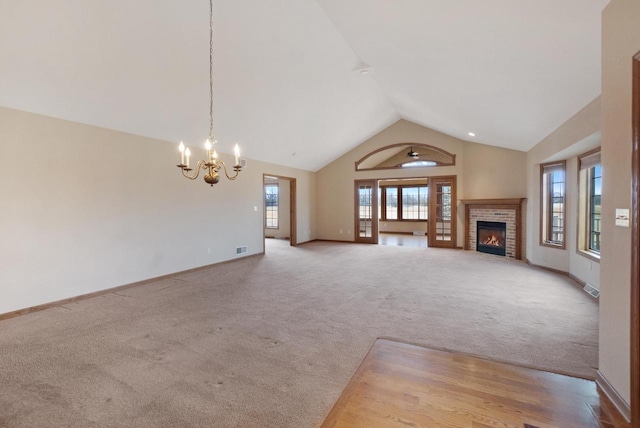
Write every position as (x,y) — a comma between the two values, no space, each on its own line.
(492,237)
(507,210)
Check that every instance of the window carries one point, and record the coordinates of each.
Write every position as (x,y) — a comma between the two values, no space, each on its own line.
(404,203)
(590,202)
(595,206)
(405,155)
(271,206)
(419,163)
(552,204)
(390,203)
(365,195)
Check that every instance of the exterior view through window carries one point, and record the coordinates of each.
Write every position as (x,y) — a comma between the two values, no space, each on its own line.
(271,206)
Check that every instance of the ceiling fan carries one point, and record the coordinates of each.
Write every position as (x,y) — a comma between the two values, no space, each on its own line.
(412,154)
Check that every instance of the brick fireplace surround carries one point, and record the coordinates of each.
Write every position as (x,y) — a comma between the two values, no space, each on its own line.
(508,211)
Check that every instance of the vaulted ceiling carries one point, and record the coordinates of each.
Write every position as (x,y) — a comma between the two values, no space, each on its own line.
(287,80)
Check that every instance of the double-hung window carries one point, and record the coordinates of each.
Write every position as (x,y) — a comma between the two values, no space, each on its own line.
(590,203)
(552,195)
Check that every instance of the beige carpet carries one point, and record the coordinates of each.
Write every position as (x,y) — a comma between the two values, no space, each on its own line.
(271,341)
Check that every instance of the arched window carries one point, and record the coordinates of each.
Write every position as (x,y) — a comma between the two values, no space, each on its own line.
(406,155)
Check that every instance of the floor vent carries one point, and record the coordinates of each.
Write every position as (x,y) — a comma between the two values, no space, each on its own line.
(241,250)
(593,291)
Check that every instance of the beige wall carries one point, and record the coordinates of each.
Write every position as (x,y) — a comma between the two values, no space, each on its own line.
(609,116)
(620,41)
(493,172)
(500,175)
(86,208)
(574,137)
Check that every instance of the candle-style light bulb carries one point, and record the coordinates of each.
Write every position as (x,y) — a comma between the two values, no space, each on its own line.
(181,148)
(187,153)
(208,145)
(236,152)
(215,154)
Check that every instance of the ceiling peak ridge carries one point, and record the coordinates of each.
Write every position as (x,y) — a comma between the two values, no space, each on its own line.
(360,63)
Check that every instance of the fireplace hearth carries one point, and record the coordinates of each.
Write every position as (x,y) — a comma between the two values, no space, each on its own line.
(492,237)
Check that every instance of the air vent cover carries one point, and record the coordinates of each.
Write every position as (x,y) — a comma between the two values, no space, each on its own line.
(593,291)
(241,250)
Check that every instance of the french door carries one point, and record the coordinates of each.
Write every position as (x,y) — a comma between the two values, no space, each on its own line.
(442,212)
(366,211)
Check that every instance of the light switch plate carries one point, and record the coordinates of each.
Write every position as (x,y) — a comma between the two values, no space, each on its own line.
(622,217)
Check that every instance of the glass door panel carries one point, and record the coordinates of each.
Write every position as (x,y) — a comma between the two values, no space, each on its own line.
(442,219)
(366,211)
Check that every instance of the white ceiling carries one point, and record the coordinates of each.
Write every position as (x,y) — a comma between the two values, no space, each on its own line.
(284,81)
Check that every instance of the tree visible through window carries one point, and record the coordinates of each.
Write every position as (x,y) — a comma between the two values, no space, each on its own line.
(391,203)
(405,203)
(552,203)
(271,206)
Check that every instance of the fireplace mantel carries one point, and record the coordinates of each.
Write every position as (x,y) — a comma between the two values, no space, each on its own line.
(514,205)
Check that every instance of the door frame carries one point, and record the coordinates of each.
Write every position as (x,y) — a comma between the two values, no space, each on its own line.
(432,242)
(374,211)
(430,179)
(635,248)
(293,209)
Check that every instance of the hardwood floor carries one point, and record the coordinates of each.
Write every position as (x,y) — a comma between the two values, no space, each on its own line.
(401,385)
(402,240)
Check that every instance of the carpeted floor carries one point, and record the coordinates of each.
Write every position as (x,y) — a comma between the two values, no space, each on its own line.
(271,341)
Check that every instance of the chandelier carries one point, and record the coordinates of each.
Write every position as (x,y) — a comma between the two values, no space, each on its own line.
(211,164)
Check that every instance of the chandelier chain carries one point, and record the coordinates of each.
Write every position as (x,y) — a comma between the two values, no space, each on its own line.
(211,71)
(211,164)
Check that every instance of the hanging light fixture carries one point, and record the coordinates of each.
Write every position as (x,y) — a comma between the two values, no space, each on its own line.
(212,164)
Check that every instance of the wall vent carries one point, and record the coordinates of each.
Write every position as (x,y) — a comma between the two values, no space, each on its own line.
(241,250)
(591,290)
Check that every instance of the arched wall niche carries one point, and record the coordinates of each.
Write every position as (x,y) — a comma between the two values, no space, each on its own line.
(399,156)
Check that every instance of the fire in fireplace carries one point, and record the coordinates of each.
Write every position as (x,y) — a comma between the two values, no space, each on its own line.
(492,237)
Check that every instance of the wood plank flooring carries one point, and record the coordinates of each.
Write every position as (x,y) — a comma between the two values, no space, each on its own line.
(401,385)
(402,240)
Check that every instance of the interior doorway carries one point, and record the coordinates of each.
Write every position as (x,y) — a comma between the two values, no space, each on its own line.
(404,212)
(418,212)
(279,208)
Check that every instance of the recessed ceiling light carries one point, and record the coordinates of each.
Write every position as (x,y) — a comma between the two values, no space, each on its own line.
(364,71)
(471,134)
